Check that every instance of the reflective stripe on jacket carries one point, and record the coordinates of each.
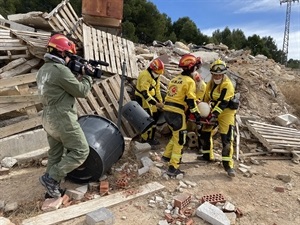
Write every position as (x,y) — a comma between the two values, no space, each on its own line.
(219,95)
(146,82)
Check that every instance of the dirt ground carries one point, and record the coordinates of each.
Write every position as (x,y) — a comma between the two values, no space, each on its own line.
(254,195)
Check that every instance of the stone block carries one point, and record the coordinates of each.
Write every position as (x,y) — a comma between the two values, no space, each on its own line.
(212,214)
(286,119)
(100,216)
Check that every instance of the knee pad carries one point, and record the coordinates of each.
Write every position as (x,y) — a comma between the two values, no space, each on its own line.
(205,140)
(182,137)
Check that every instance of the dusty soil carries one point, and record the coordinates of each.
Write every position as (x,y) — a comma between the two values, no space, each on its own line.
(254,195)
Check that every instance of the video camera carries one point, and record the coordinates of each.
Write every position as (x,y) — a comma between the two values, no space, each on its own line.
(91,67)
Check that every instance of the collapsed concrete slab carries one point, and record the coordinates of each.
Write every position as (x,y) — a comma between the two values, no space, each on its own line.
(23,143)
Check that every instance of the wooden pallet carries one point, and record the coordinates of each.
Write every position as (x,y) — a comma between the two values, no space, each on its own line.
(103,100)
(25,103)
(36,41)
(99,45)
(64,19)
(275,138)
(11,48)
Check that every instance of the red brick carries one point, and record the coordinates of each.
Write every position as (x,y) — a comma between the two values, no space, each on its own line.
(182,200)
(104,187)
(189,222)
(238,213)
(169,217)
(213,199)
(122,182)
(279,189)
(4,171)
(66,199)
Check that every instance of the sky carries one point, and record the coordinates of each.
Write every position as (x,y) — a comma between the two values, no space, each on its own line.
(262,17)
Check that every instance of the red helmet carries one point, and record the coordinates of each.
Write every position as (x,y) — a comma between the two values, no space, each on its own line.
(188,61)
(61,43)
(157,66)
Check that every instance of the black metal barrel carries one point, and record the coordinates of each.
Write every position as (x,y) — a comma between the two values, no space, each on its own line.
(137,116)
(106,148)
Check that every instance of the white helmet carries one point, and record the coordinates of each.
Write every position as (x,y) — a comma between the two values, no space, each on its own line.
(204,109)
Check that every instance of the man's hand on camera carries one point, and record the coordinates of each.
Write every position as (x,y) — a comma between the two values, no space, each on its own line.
(88,70)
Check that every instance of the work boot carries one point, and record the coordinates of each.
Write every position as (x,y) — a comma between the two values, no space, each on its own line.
(231,172)
(174,172)
(153,142)
(165,159)
(62,192)
(205,157)
(51,185)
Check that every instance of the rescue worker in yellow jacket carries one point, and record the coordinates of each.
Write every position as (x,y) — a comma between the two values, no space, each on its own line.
(181,96)
(148,95)
(200,91)
(219,93)
(200,86)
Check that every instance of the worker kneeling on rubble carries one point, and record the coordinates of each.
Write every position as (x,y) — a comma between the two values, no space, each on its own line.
(219,94)
(181,96)
(58,88)
(148,95)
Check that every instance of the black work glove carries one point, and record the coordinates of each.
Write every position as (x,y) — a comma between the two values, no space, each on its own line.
(213,119)
(197,117)
(89,70)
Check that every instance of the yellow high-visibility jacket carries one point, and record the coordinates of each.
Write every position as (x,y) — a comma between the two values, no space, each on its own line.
(146,82)
(219,95)
(200,89)
(181,95)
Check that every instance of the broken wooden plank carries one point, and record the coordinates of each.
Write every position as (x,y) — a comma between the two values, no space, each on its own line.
(20,126)
(272,157)
(237,144)
(18,80)
(34,19)
(34,99)
(5,108)
(23,68)
(83,208)
(12,65)
(249,154)
(277,150)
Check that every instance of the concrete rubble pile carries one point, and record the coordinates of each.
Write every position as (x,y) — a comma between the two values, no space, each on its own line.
(259,81)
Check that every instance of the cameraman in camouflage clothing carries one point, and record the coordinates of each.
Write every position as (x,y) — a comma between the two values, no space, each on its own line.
(58,88)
